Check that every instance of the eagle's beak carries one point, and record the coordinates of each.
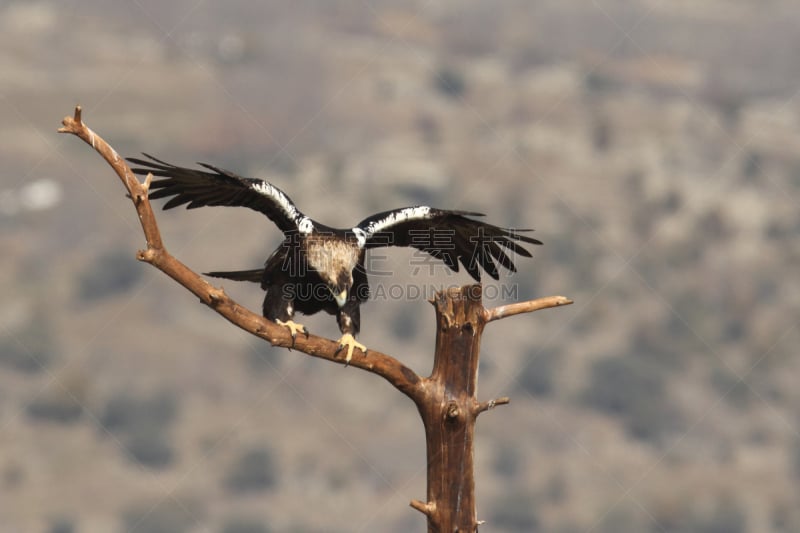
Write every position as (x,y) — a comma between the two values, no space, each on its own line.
(340,298)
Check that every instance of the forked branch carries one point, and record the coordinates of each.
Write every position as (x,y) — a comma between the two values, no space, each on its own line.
(389,368)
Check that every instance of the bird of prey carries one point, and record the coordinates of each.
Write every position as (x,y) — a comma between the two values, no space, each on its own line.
(319,268)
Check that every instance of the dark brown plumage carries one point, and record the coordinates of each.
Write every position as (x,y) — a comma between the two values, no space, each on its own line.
(319,268)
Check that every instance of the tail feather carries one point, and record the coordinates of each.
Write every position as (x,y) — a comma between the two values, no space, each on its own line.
(240,275)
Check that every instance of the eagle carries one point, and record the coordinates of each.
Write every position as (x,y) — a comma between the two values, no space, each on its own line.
(320,268)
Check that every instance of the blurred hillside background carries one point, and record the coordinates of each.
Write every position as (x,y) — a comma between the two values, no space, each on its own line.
(654,146)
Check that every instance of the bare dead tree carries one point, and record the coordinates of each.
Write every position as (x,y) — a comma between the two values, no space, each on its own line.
(447,399)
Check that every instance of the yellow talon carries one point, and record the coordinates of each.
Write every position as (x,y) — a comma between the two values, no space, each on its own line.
(294,327)
(351,343)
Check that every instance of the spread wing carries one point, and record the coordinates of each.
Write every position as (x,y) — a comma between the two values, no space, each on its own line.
(199,188)
(449,236)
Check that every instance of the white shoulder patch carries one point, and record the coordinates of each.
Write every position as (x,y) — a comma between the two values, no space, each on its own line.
(361,237)
(419,212)
(269,190)
(305,226)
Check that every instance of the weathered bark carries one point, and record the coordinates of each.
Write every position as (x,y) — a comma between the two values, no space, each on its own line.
(449,410)
(447,400)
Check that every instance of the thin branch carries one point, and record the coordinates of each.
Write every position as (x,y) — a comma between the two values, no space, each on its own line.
(504,311)
(400,376)
(491,404)
(136,191)
(426,508)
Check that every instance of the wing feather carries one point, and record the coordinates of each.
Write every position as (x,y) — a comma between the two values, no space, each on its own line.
(219,187)
(514,247)
(471,267)
(449,236)
(501,257)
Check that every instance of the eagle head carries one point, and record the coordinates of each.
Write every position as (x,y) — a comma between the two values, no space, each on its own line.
(334,259)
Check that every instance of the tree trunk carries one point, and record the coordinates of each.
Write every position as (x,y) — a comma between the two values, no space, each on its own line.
(450,409)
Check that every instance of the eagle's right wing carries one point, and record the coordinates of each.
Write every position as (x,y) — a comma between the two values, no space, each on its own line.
(199,188)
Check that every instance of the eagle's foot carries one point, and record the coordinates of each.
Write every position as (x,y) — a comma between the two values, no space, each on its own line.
(350,342)
(294,327)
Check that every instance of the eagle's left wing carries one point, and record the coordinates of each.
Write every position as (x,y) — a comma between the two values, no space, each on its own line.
(446,235)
